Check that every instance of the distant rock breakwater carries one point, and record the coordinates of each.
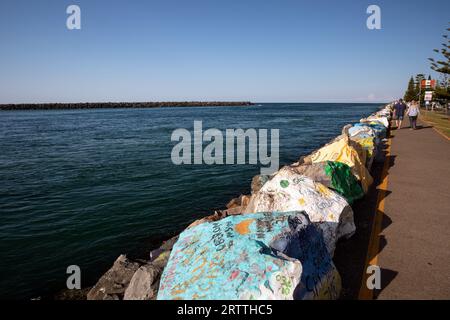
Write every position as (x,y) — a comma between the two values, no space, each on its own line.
(120,105)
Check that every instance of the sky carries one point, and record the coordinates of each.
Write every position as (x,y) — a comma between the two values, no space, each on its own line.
(227,50)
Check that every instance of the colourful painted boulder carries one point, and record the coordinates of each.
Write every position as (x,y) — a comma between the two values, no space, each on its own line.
(290,191)
(275,255)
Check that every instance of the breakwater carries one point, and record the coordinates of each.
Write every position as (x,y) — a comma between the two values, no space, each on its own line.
(122,105)
(318,190)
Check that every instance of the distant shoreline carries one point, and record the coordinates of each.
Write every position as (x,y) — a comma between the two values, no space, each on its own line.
(121,105)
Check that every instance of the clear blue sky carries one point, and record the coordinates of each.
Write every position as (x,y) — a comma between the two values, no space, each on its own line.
(258,50)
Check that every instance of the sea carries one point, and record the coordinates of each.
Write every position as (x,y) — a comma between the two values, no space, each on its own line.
(81,187)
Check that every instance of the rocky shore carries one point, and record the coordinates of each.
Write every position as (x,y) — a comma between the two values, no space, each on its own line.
(118,105)
(339,173)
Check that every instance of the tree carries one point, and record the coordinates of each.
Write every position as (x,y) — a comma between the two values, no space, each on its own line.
(441,93)
(442,64)
(419,78)
(410,92)
(418,81)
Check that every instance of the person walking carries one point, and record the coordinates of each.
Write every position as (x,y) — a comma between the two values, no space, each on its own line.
(399,112)
(413,112)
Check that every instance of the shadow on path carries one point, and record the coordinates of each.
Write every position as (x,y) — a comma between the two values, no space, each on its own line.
(386,278)
(351,255)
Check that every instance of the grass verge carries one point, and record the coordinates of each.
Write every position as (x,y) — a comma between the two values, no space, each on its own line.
(439,120)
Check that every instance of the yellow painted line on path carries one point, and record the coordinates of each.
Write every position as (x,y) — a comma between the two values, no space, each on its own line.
(374,243)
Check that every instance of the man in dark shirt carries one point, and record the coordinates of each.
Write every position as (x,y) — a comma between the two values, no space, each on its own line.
(399,112)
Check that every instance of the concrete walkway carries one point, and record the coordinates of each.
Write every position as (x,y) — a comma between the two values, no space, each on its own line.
(414,233)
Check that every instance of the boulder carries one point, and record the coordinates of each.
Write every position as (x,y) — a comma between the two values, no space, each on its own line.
(214,217)
(315,171)
(69,294)
(113,283)
(346,129)
(220,214)
(308,159)
(344,150)
(145,281)
(290,191)
(242,200)
(233,211)
(262,256)
(141,286)
(258,181)
(334,175)
(168,245)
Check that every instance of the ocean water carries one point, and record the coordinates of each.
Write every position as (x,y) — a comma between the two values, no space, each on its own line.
(80,187)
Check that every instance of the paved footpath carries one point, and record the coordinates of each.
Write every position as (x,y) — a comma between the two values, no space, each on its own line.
(413,247)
